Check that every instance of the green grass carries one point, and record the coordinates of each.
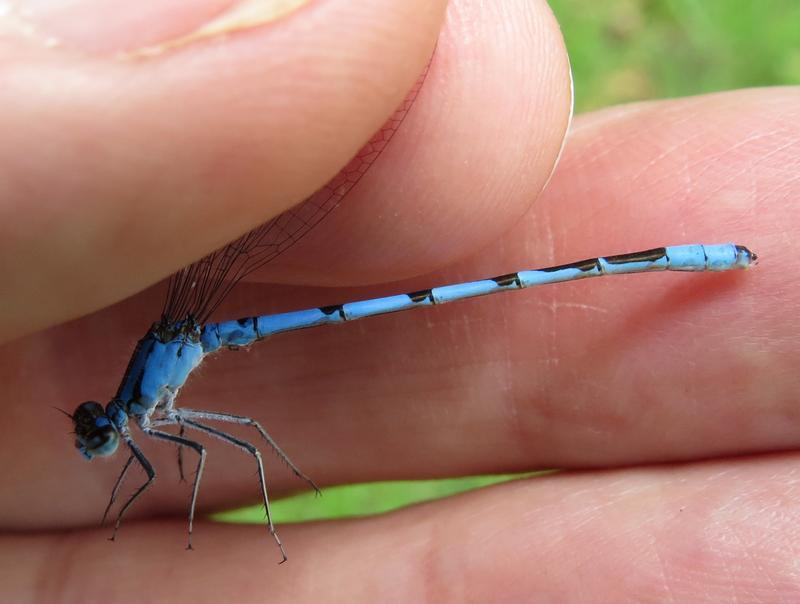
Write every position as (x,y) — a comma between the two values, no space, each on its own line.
(627,50)
(621,50)
(361,499)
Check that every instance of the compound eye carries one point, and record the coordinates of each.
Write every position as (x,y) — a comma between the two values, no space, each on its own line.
(95,435)
(87,412)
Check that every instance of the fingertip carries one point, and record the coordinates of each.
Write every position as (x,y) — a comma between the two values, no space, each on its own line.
(471,157)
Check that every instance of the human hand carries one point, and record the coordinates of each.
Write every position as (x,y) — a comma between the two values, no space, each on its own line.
(607,377)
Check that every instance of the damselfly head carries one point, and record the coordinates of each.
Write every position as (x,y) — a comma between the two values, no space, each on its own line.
(95,435)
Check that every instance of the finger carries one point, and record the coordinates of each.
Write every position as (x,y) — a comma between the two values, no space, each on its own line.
(615,371)
(132,158)
(238,168)
(701,532)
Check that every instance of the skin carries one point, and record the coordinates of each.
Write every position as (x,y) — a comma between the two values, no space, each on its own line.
(670,399)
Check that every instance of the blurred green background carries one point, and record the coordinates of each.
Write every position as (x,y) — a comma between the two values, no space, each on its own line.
(621,51)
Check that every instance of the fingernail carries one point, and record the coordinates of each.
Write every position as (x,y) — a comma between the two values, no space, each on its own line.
(141,28)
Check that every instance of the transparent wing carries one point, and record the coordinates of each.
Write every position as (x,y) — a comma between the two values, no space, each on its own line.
(198,289)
